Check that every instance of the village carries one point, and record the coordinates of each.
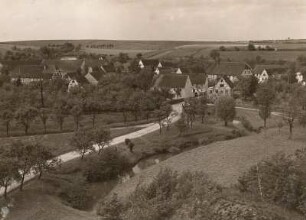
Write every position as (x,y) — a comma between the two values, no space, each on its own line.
(153,110)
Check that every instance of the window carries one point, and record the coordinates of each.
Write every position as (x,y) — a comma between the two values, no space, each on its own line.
(216,91)
(222,85)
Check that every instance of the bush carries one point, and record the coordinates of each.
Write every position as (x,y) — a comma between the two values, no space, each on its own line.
(191,195)
(111,209)
(76,194)
(282,180)
(106,166)
(246,123)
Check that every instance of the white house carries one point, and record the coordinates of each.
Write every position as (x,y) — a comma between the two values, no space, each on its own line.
(223,87)
(264,72)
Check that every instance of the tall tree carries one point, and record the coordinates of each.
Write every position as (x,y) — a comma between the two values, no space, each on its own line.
(43,114)
(7,116)
(101,137)
(265,96)
(81,141)
(76,111)
(8,172)
(44,159)
(60,111)
(25,116)
(162,113)
(226,109)
(24,154)
(202,107)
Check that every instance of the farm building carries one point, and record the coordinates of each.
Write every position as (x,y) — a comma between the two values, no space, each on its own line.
(223,87)
(93,77)
(230,69)
(179,85)
(29,73)
(264,72)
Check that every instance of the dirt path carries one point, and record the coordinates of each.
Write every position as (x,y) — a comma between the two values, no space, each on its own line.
(175,115)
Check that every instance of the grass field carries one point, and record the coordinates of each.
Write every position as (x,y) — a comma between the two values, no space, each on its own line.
(132,53)
(60,143)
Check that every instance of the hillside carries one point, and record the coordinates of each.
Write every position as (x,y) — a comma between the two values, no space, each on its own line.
(223,161)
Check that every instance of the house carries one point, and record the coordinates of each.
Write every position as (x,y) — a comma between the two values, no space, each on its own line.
(93,77)
(199,83)
(264,72)
(223,87)
(153,63)
(300,76)
(29,74)
(72,84)
(64,67)
(179,85)
(233,70)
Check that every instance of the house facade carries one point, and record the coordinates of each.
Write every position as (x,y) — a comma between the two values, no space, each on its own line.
(264,72)
(232,70)
(223,87)
(179,85)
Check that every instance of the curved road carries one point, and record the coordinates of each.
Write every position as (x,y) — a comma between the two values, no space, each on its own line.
(151,127)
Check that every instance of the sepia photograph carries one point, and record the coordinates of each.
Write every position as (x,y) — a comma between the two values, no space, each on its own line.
(152,110)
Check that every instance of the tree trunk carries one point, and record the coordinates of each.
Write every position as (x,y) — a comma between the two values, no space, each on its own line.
(40,174)
(225,123)
(5,190)
(202,119)
(93,119)
(22,181)
(26,128)
(265,122)
(45,127)
(290,129)
(7,128)
(160,128)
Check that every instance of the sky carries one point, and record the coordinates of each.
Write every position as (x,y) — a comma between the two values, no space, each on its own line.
(194,20)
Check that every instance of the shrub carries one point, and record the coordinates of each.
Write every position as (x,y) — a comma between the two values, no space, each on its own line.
(111,209)
(246,123)
(280,179)
(76,194)
(106,166)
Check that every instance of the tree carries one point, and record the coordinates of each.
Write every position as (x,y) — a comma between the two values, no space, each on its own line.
(7,116)
(181,125)
(290,113)
(8,172)
(25,116)
(247,86)
(101,137)
(135,104)
(201,108)
(93,107)
(226,109)
(265,96)
(215,55)
(60,111)
(44,159)
(190,107)
(162,113)
(76,111)
(24,154)
(81,142)
(43,115)
(251,47)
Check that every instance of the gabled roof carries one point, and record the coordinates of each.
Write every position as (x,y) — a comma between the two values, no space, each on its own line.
(97,75)
(77,76)
(197,79)
(172,81)
(30,72)
(269,68)
(227,68)
(150,62)
(228,81)
(65,65)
